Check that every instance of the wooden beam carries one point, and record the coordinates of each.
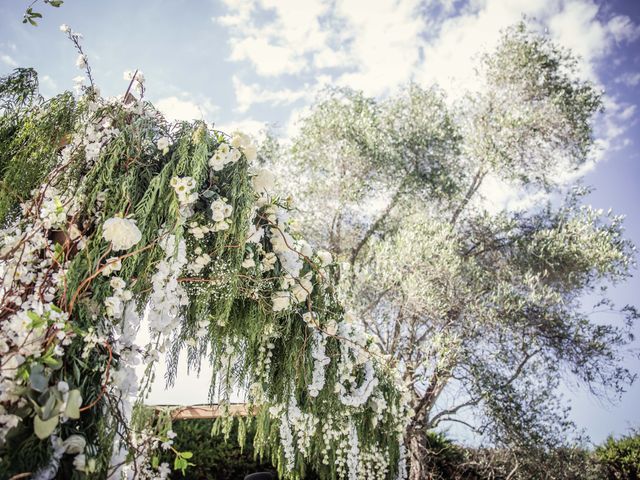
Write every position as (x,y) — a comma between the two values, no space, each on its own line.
(206,411)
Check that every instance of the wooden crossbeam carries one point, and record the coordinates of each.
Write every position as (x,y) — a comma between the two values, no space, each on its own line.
(192,412)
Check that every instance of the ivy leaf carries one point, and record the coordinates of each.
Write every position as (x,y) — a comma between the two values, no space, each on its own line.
(44,428)
(73,404)
(180,464)
(186,454)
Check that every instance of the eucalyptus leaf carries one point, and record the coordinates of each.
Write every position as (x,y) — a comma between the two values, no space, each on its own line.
(44,428)
(37,378)
(73,404)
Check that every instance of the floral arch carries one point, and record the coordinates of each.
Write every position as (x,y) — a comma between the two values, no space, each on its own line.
(111,214)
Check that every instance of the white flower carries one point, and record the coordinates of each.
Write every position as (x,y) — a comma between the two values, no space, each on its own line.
(121,232)
(331,327)
(251,152)
(113,264)
(309,318)
(269,261)
(281,300)
(81,61)
(216,162)
(114,306)
(80,462)
(248,262)
(163,144)
(74,444)
(325,257)
(254,234)
(164,470)
(263,181)
(64,28)
(240,140)
(117,283)
(220,210)
(302,288)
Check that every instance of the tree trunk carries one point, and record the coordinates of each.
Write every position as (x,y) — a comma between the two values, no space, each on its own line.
(417,447)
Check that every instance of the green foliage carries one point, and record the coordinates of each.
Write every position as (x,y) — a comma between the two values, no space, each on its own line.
(32,132)
(621,457)
(30,15)
(214,455)
(477,305)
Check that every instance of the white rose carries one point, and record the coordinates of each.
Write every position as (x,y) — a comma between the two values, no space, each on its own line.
(280,300)
(121,232)
(74,444)
(263,181)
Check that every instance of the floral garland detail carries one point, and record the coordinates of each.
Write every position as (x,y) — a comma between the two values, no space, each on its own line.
(140,223)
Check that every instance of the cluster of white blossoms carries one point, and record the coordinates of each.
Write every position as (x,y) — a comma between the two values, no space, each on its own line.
(96,136)
(123,233)
(295,426)
(168,295)
(186,191)
(223,156)
(114,305)
(220,213)
(320,362)
(243,142)
(36,332)
(54,210)
(200,261)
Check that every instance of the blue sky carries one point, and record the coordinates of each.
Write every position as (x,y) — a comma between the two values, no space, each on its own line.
(240,63)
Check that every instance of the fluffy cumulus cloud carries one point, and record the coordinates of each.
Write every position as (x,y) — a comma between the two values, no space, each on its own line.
(250,94)
(175,108)
(379,45)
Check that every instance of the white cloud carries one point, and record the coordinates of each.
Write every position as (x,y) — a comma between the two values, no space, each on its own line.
(630,79)
(250,126)
(8,60)
(175,108)
(378,45)
(281,45)
(384,42)
(250,94)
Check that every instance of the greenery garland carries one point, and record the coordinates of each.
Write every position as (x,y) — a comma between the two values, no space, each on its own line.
(116,221)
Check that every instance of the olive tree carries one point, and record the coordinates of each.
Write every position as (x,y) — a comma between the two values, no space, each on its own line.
(482,312)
